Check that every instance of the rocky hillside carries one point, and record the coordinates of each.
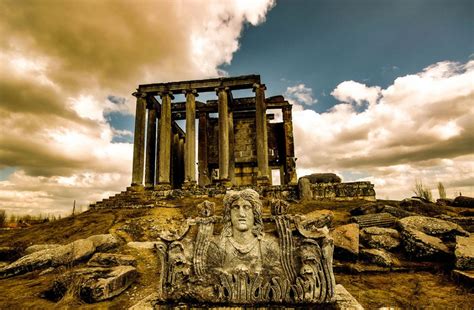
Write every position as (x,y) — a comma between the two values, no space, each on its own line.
(387,253)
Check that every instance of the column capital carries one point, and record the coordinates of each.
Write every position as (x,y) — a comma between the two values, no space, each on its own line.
(221,88)
(166,93)
(191,91)
(256,86)
(139,94)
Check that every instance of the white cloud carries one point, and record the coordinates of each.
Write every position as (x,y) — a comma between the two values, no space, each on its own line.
(300,94)
(420,127)
(353,92)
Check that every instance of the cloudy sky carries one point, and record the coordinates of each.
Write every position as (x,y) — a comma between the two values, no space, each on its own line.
(382,90)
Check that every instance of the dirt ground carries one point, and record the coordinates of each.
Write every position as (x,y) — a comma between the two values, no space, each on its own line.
(405,290)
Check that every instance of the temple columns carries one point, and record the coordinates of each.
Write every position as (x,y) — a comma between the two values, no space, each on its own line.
(165,138)
(203,169)
(190,144)
(150,148)
(262,139)
(223,134)
(139,140)
(290,160)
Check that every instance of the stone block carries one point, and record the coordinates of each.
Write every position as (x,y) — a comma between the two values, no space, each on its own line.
(104,242)
(379,257)
(346,241)
(464,252)
(380,238)
(433,227)
(109,260)
(421,245)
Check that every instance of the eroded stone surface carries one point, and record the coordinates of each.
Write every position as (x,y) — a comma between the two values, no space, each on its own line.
(346,241)
(421,245)
(109,260)
(433,227)
(344,300)
(379,257)
(40,247)
(69,253)
(380,238)
(104,242)
(464,252)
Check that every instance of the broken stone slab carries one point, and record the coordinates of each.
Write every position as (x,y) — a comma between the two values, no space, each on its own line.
(420,245)
(464,252)
(104,242)
(379,219)
(109,283)
(433,227)
(40,247)
(317,219)
(380,237)
(109,260)
(346,241)
(464,277)
(466,222)
(144,245)
(379,257)
(65,254)
(344,300)
(94,284)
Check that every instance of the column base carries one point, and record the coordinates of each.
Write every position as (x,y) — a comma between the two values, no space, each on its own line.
(162,187)
(136,188)
(189,185)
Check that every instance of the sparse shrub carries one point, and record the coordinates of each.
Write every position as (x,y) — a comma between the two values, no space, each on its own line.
(3,218)
(421,191)
(441,191)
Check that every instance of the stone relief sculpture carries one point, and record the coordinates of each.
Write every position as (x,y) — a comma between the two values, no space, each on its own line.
(290,261)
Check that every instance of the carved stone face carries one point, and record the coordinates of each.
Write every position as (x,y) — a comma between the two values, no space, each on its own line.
(241,215)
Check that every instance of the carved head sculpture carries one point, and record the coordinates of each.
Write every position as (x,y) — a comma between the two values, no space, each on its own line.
(243,211)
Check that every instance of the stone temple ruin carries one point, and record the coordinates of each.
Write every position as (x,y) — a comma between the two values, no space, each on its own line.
(236,146)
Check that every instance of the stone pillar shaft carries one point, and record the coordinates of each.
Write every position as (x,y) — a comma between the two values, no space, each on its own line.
(190,145)
(165,139)
(204,178)
(231,149)
(290,164)
(261,127)
(139,140)
(223,134)
(150,148)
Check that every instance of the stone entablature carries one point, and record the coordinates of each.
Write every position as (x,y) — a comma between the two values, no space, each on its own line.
(337,191)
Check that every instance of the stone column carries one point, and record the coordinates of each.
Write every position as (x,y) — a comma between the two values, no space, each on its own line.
(165,138)
(231,148)
(150,148)
(290,160)
(139,140)
(190,144)
(204,178)
(157,135)
(262,139)
(223,134)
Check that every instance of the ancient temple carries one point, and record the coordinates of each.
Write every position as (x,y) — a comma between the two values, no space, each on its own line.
(236,143)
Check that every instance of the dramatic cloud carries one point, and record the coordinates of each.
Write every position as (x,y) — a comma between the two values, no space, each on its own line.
(301,94)
(421,127)
(65,66)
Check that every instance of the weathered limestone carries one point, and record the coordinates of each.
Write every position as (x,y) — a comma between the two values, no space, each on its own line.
(190,147)
(165,139)
(380,238)
(377,219)
(420,245)
(433,227)
(69,253)
(464,252)
(262,137)
(139,140)
(223,134)
(289,169)
(110,260)
(203,170)
(104,242)
(346,241)
(150,148)
(379,257)
(40,247)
